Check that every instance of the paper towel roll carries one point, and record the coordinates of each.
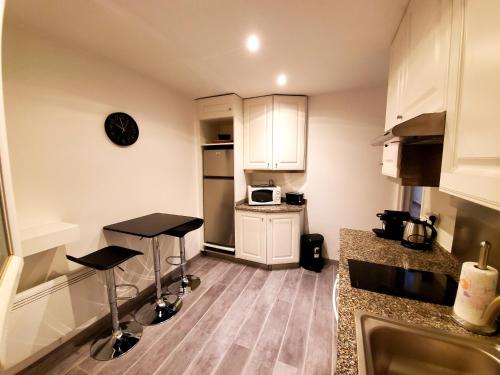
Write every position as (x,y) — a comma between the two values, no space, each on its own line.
(476,290)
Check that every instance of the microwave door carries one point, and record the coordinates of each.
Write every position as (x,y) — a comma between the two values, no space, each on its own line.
(218,163)
(262,196)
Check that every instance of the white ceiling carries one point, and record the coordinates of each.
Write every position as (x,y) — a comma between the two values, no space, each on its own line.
(198,47)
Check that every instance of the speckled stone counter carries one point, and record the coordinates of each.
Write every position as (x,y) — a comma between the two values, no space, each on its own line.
(283,207)
(365,246)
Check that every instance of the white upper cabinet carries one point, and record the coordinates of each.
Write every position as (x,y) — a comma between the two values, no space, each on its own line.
(283,237)
(216,107)
(396,76)
(289,132)
(275,132)
(471,154)
(427,57)
(419,62)
(258,133)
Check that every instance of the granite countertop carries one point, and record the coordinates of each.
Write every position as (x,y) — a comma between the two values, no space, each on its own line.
(283,207)
(365,246)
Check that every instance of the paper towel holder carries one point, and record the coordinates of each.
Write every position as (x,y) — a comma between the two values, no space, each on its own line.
(484,252)
(492,311)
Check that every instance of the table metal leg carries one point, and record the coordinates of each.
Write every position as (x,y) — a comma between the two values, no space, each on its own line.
(161,307)
(185,283)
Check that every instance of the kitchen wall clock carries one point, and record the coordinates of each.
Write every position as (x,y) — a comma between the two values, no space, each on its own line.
(121,128)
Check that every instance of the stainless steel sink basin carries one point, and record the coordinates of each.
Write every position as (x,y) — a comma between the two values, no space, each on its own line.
(386,346)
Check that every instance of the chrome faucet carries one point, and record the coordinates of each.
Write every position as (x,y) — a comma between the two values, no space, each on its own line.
(490,316)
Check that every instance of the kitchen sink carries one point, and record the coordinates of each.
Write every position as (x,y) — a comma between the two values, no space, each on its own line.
(387,346)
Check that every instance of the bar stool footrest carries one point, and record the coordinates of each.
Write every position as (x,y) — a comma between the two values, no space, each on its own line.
(175,263)
(133,286)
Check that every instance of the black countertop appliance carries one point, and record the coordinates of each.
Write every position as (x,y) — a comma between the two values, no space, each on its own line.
(418,285)
(393,224)
(295,198)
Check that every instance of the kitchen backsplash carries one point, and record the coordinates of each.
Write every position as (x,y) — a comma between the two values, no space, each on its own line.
(287,181)
(474,224)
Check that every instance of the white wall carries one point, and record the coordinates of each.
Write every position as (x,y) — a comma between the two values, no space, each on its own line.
(65,167)
(343,182)
(10,262)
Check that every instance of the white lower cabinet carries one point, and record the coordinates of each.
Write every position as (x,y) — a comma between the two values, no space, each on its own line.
(268,238)
(251,236)
(283,238)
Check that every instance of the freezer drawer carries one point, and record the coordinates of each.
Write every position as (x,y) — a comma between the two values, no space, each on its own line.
(218,207)
(218,163)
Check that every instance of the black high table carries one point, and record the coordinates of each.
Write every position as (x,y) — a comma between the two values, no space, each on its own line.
(152,226)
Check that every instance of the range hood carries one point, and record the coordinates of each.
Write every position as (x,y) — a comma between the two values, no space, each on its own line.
(419,148)
(426,128)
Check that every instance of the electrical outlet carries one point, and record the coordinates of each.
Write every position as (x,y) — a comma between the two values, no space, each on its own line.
(429,214)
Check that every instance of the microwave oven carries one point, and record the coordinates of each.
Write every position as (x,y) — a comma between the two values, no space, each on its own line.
(263,195)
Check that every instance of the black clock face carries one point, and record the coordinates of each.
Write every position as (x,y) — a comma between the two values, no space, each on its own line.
(121,129)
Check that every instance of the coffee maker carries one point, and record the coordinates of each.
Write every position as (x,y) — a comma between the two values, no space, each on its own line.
(393,224)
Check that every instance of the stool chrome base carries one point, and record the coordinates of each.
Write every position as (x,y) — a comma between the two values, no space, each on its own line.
(115,345)
(182,286)
(153,313)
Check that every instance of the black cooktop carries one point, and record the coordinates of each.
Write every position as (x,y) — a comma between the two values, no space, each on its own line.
(422,286)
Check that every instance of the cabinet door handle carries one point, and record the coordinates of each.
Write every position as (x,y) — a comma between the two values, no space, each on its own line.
(261,219)
(399,117)
(229,108)
(276,165)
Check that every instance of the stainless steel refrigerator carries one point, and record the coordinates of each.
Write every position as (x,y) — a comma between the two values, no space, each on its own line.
(218,197)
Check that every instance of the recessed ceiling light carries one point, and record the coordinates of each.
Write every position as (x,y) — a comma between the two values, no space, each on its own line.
(253,43)
(281,79)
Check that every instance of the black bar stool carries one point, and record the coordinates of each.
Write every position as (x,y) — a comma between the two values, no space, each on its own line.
(185,283)
(125,335)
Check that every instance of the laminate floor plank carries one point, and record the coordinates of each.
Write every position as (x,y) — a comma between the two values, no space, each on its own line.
(208,273)
(318,358)
(294,343)
(90,365)
(266,349)
(292,278)
(169,340)
(241,320)
(200,265)
(223,337)
(252,326)
(281,368)
(77,371)
(233,362)
(193,342)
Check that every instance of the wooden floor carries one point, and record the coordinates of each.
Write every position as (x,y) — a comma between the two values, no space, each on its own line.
(241,320)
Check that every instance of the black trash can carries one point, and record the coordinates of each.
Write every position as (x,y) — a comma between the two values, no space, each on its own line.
(311,252)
